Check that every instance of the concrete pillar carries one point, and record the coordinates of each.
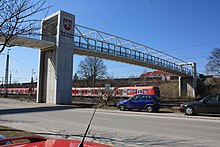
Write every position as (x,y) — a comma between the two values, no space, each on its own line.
(56,64)
(180,87)
(188,85)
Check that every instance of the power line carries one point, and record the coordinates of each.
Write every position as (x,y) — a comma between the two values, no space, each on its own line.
(195,57)
(194,45)
(192,55)
(25,65)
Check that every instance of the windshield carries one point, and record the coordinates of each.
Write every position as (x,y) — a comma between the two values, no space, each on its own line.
(205,98)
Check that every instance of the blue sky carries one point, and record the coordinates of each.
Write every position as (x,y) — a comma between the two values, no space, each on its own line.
(186,29)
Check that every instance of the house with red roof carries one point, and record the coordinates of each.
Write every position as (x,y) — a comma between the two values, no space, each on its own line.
(156,73)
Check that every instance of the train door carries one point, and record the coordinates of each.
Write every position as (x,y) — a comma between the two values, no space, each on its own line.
(139,91)
(99,92)
(92,92)
(80,92)
(89,92)
(124,92)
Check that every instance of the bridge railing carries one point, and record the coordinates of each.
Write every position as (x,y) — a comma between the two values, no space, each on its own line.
(84,42)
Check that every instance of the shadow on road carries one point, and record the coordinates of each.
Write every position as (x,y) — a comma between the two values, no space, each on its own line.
(42,109)
(161,111)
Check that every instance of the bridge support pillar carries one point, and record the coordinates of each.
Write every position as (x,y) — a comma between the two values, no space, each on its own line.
(187,85)
(56,64)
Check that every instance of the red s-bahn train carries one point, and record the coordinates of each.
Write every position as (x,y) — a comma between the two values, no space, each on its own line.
(93,91)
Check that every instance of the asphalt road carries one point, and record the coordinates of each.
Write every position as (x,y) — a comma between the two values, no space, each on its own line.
(128,129)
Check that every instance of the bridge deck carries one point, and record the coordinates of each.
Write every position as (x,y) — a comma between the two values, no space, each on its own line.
(28,42)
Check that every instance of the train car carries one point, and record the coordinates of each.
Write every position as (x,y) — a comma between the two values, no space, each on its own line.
(131,91)
(116,91)
(2,91)
(93,91)
(19,91)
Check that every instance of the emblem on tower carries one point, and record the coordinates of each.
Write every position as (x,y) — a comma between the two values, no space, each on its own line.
(67,24)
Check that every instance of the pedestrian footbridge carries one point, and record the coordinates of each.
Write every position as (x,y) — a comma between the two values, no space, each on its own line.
(99,44)
(61,38)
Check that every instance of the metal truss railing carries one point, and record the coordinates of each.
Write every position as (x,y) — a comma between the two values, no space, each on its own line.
(103,42)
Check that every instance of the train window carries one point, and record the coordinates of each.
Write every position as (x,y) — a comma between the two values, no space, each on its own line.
(129,91)
(135,91)
(145,91)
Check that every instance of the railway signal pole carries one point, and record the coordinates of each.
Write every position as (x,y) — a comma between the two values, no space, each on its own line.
(6,73)
(32,82)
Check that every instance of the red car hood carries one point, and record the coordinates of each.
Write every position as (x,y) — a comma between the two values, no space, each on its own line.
(38,141)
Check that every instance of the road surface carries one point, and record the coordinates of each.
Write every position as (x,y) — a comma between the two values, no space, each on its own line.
(128,128)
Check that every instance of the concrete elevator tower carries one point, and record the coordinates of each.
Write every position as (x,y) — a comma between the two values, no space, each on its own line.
(56,63)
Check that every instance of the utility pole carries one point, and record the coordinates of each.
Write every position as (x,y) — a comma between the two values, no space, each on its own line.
(10,77)
(32,82)
(6,73)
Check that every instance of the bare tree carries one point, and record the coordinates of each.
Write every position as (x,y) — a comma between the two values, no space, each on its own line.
(17,18)
(91,69)
(214,61)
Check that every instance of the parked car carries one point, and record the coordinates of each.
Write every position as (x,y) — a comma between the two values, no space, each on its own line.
(209,104)
(142,101)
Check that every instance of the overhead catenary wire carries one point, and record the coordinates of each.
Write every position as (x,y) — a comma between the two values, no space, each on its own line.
(193,45)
